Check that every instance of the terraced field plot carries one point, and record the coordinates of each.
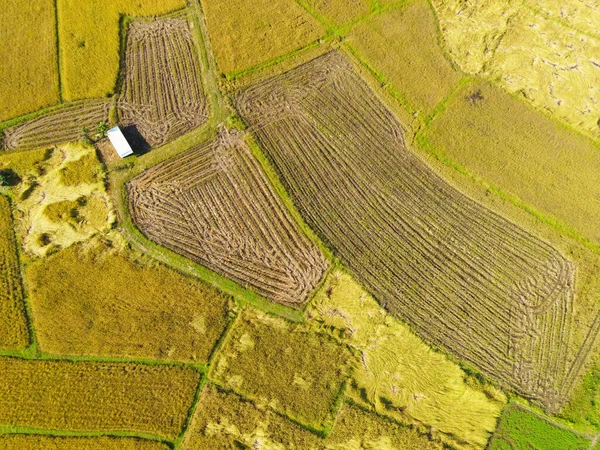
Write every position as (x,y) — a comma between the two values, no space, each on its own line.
(33,442)
(283,366)
(14,333)
(340,12)
(162,315)
(213,205)
(462,276)
(224,420)
(95,396)
(58,127)
(162,93)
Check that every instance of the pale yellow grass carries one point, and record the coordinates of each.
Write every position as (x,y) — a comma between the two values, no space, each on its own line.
(400,375)
(244,35)
(29,70)
(402,45)
(581,14)
(554,67)
(90,42)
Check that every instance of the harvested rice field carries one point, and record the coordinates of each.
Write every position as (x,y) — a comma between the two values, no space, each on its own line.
(37,442)
(214,205)
(322,145)
(162,316)
(14,333)
(285,367)
(90,396)
(243,37)
(401,45)
(162,94)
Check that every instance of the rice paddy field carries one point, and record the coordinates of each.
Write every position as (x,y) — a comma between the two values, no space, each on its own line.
(346,225)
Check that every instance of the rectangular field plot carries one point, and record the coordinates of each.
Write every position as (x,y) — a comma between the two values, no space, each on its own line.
(243,36)
(463,277)
(399,375)
(282,366)
(521,428)
(340,12)
(224,420)
(35,442)
(95,396)
(162,94)
(112,305)
(214,205)
(29,69)
(501,140)
(402,46)
(13,323)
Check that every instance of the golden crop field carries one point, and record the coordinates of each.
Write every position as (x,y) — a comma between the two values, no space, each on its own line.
(501,140)
(14,333)
(162,315)
(29,69)
(340,12)
(38,442)
(402,46)
(414,385)
(223,420)
(283,366)
(89,42)
(242,36)
(90,396)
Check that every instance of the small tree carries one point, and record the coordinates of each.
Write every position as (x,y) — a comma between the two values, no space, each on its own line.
(101,130)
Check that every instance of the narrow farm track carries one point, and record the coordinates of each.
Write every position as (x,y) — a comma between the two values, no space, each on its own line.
(213,205)
(58,127)
(162,93)
(462,276)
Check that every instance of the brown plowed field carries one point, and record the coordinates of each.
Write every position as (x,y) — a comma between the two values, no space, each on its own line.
(213,205)
(162,93)
(58,127)
(462,276)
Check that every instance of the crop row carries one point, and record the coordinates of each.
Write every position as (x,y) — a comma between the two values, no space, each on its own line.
(214,205)
(462,276)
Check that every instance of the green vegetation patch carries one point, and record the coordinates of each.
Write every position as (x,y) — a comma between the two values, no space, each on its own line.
(29,71)
(96,299)
(283,366)
(225,420)
(400,376)
(14,333)
(501,140)
(243,37)
(35,442)
(522,429)
(402,46)
(584,406)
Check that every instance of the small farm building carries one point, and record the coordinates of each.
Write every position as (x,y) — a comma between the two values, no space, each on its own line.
(117,139)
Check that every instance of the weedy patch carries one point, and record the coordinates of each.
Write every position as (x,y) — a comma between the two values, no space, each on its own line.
(399,375)
(402,46)
(51,214)
(243,37)
(283,366)
(141,311)
(14,333)
(90,396)
(33,442)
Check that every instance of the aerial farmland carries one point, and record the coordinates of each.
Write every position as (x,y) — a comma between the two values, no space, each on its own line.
(300,224)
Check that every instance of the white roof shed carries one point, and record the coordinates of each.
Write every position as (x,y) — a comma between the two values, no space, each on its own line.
(117,139)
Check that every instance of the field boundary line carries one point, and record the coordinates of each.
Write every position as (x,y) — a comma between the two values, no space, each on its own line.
(58,52)
(177,443)
(30,431)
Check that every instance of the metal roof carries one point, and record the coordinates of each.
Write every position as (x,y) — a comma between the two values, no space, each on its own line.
(117,139)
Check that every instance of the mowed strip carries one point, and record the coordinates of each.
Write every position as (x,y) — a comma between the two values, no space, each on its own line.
(162,92)
(38,442)
(29,69)
(525,154)
(244,36)
(91,396)
(13,323)
(214,205)
(111,303)
(286,367)
(401,45)
(465,278)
